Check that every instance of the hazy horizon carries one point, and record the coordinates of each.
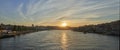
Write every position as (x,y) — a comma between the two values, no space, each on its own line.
(55,12)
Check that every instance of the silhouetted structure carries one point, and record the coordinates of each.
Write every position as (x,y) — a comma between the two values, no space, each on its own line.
(111,28)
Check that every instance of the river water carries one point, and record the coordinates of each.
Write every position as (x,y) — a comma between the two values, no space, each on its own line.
(60,40)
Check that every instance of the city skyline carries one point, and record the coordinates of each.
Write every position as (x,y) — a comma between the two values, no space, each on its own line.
(55,12)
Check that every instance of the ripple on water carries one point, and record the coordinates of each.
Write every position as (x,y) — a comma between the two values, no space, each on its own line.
(60,40)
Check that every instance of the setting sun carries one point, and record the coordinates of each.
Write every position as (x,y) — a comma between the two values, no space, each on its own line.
(64,24)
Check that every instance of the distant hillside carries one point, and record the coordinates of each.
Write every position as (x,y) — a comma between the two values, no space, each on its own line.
(111,28)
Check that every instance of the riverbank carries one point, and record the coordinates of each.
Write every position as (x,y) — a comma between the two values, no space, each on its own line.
(102,33)
(14,33)
(111,28)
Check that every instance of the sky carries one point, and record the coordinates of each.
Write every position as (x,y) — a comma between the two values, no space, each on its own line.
(54,12)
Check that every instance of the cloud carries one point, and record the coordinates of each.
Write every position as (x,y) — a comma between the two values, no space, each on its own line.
(46,11)
(20,11)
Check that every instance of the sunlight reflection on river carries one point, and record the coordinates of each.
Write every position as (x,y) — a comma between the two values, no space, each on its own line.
(64,41)
(60,40)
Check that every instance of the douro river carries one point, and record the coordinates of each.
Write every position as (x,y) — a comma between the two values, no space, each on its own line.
(60,40)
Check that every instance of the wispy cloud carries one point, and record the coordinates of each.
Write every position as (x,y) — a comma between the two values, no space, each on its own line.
(67,8)
(20,11)
(50,11)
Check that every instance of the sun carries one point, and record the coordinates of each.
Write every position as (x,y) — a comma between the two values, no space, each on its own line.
(64,24)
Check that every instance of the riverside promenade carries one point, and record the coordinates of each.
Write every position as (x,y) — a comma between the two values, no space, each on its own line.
(7,34)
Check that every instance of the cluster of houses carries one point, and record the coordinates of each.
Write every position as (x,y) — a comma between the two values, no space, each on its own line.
(13,30)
